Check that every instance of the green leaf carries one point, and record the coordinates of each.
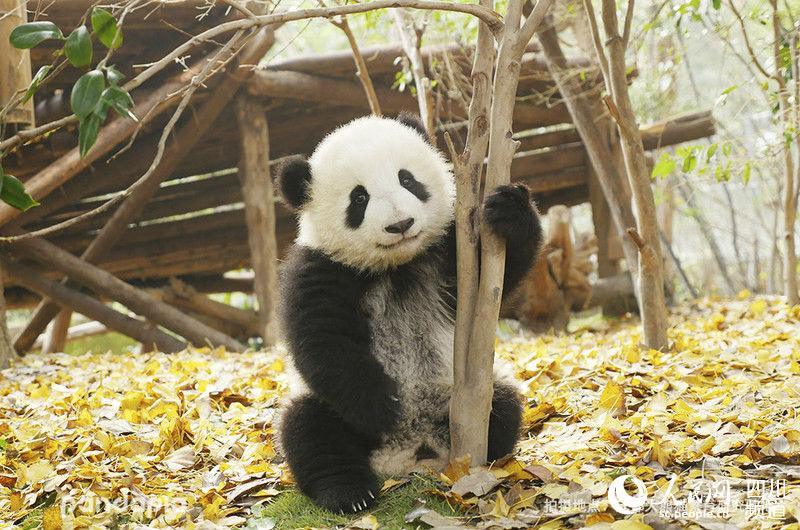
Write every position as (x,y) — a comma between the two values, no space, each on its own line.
(87,133)
(746,173)
(28,35)
(13,193)
(79,47)
(86,93)
(664,167)
(689,163)
(36,82)
(120,101)
(105,27)
(113,75)
(710,151)
(717,4)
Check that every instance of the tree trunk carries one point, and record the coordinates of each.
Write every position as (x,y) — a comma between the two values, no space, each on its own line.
(468,168)
(473,413)
(651,277)
(55,338)
(705,230)
(259,205)
(7,352)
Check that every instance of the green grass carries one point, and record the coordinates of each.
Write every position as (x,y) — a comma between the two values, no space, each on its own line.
(292,510)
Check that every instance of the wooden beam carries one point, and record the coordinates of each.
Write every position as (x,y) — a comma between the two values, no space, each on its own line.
(259,206)
(183,295)
(15,64)
(94,309)
(106,284)
(184,141)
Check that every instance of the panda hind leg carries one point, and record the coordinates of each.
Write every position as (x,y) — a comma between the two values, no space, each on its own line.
(328,458)
(505,420)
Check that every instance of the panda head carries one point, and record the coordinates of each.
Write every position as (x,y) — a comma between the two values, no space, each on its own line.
(374,194)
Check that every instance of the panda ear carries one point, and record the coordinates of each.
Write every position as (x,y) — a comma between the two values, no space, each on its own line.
(415,122)
(294,181)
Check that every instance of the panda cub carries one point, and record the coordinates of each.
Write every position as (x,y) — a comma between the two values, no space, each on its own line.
(368,307)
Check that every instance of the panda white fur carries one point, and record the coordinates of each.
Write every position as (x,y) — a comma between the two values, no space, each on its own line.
(368,305)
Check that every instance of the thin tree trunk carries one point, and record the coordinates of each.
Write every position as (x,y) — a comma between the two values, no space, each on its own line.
(468,168)
(259,205)
(7,352)
(478,376)
(646,236)
(705,230)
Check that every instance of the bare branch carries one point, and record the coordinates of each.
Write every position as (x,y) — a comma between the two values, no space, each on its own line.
(361,65)
(626,35)
(749,46)
(602,60)
(410,39)
(488,16)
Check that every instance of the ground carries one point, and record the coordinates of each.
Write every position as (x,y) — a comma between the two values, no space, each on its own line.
(709,431)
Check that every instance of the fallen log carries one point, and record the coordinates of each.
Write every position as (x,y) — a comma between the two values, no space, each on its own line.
(614,294)
(90,307)
(105,284)
(79,331)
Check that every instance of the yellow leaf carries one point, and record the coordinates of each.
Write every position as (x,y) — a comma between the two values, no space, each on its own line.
(600,517)
(51,518)
(612,399)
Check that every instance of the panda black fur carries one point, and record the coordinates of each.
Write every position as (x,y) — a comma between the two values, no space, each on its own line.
(368,305)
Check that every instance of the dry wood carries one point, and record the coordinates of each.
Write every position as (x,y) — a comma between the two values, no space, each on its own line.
(614,294)
(705,229)
(480,360)
(92,308)
(131,207)
(7,352)
(467,168)
(411,39)
(653,307)
(15,66)
(184,296)
(105,284)
(79,331)
(592,126)
(259,205)
(55,337)
(316,89)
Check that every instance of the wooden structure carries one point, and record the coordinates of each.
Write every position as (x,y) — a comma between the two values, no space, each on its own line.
(209,208)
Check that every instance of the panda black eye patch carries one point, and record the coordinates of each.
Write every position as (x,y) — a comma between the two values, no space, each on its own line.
(416,187)
(359,198)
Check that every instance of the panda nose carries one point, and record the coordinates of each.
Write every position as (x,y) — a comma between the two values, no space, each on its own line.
(400,227)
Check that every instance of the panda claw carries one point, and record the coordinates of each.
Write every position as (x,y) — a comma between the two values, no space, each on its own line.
(394,398)
(353,506)
(371,494)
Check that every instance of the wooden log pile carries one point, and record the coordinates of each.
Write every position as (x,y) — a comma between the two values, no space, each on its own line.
(209,207)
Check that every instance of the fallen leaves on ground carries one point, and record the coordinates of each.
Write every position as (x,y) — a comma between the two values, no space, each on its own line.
(710,428)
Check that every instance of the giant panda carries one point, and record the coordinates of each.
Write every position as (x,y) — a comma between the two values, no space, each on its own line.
(368,306)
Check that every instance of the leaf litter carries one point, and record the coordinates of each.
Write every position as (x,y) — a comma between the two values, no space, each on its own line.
(711,428)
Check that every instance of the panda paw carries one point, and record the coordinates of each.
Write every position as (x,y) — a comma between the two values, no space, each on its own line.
(378,413)
(510,213)
(347,499)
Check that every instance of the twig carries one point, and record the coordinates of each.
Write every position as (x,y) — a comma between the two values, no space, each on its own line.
(626,35)
(749,46)
(361,65)
(195,84)
(411,40)
(598,45)
(490,17)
